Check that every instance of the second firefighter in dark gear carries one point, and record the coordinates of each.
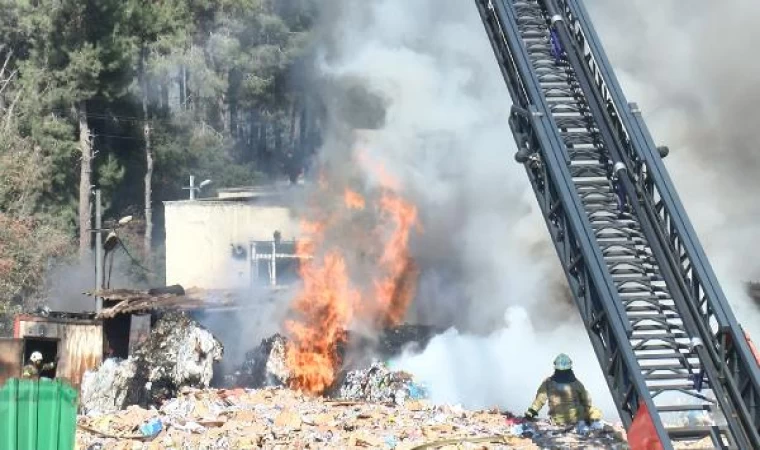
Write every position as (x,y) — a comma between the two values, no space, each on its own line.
(35,366)
(569,402)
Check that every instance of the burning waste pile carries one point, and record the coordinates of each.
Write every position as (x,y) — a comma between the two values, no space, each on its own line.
(178,353)
(266,365)
(321,383)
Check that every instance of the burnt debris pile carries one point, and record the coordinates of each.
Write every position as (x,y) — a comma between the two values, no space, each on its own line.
(266,366)
(178,353)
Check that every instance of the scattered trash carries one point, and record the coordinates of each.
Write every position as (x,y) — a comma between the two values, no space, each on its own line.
(107,389)
(582,428)
(281,418)
(152,427)
(371,407)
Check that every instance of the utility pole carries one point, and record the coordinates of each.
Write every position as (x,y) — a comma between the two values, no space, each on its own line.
(192,187)
(98,251)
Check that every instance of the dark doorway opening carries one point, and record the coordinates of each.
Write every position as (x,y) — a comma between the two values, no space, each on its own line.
(117,336)
(49,349)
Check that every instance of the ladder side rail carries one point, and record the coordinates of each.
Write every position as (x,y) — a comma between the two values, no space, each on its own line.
(628,386)
(730,401)
(608,342)
(553,147)
(736,361)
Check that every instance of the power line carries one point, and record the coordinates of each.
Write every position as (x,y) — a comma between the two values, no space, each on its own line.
(118,137)
(118,117)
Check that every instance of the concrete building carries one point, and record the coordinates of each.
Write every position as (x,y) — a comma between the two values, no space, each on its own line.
(217,243)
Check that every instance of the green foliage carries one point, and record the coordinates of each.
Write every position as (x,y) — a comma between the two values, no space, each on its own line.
(26,246)
(223,100)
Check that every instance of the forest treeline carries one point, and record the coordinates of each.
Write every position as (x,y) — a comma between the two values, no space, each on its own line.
(132,97)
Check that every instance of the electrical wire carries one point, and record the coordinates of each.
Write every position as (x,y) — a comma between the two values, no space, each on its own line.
(134,260)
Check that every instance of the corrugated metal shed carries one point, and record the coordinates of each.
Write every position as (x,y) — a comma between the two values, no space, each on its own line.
(80,342)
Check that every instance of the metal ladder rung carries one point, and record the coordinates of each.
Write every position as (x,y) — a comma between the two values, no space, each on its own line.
(684,408)
(692,433)
(656,328)
(659,389)
(666,376)
(663,366)
(657,316)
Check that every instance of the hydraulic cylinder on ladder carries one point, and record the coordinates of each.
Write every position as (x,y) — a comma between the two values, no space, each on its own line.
(676,361)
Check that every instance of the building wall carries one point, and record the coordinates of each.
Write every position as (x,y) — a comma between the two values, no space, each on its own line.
(200,236)
(80,345)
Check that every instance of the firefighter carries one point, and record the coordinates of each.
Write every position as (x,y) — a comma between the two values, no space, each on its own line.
(35,366)
(569,402)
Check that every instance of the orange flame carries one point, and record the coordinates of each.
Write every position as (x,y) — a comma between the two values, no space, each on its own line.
(328,301)
(353,199)
(395,290)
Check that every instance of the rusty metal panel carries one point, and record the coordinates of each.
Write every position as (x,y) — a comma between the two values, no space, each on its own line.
(11,355)
(81,350)
(40,328)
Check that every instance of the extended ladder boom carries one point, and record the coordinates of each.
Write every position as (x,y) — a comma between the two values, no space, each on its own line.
(665,336)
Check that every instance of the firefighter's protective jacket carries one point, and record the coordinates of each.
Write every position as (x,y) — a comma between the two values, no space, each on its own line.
(569,402)
(32,371)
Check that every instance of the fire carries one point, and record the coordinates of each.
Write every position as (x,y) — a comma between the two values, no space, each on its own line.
(395,290)
(330,299)
(327,299)
(353,199)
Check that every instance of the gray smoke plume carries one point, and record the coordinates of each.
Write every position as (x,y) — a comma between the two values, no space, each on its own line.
(487,265)
(67,283)
(424,76)
(692,70)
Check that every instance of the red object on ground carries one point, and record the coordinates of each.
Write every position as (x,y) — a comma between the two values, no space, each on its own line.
(642,434)
(514,421)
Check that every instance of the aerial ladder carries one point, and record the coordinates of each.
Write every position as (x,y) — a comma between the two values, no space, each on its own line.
(677,363)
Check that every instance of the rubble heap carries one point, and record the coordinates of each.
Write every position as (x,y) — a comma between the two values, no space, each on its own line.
(380,385)
(107,389)
(283,419)
(265,366)
(178,352)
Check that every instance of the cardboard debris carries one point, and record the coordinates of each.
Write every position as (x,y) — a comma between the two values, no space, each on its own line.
(283,419)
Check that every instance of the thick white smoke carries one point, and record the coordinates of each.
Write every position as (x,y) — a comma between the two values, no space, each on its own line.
(691,67)
(487,264)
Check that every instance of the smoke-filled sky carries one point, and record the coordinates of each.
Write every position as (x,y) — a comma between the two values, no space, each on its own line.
(689,66)
(487,264)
